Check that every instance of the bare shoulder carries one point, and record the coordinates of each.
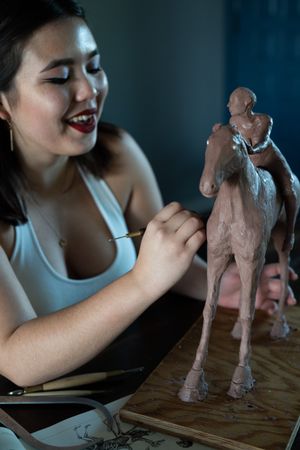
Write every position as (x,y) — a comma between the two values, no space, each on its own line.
(131,172)
(126,147)
(130,159)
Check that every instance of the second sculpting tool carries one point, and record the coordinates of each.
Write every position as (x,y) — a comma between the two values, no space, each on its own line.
(74,381)
(132,234)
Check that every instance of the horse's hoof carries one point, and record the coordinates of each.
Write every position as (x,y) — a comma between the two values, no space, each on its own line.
(195,387)
(280,328)
(236,332)
(191,395)
(241,383)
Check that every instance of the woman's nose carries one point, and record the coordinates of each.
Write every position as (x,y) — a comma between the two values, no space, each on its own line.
(86,89)
(89,87)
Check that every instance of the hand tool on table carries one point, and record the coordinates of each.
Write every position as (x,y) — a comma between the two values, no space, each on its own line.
(74,381)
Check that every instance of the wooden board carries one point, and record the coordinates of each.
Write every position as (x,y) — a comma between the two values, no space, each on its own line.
(263,419)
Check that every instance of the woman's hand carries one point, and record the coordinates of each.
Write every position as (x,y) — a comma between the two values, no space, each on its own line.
(268,291)
(167,249)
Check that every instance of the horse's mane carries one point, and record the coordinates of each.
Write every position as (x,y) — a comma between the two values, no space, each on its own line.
(225,129)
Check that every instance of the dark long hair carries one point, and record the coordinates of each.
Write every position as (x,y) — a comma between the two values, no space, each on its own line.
(19,19)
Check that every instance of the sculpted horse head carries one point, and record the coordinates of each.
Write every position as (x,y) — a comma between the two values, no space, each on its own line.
(225,155)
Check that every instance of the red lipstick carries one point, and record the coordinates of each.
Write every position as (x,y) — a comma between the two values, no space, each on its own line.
(84,122)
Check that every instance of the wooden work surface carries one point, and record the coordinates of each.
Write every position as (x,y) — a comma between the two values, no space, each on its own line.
(263,419)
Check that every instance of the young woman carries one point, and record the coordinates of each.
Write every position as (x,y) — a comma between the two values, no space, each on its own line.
(68,183)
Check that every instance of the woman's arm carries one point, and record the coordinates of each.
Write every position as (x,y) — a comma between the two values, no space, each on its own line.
(35,349)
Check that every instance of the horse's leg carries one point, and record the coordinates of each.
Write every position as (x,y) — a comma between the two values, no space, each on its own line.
(236,331)
(195,388)
(280,327)
(242,380)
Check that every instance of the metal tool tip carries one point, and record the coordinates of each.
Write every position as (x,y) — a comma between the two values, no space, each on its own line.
(16,392)
(136,369)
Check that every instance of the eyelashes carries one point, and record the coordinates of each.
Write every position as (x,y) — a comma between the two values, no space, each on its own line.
(63,80)
(57,80)
(95,70)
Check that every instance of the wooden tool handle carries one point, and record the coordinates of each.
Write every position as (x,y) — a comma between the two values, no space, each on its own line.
(73,381)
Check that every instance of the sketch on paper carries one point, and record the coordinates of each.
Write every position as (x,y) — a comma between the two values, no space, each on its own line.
(122,439)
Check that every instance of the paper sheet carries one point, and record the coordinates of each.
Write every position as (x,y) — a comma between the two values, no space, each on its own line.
(89,426)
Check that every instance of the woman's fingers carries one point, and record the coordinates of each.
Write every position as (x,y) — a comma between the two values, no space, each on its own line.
(272,286)
(196,240)
(270,306)
(273,270)
(177,220)
(292,274)
(168,247)
(273,291)
(190,226)
(168,211)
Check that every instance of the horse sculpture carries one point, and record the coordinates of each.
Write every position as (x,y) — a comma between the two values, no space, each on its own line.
(247,211)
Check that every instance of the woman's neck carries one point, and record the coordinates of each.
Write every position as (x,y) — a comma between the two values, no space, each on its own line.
(56,178)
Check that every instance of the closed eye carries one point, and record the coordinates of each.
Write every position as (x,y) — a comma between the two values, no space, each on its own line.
(57,80)
(95,70)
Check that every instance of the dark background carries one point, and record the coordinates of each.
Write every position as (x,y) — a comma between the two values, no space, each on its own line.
(172,64)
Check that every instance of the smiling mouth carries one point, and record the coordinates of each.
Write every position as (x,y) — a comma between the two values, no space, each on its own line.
(84,123)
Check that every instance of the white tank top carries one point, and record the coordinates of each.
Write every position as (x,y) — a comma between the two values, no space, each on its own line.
(49,291)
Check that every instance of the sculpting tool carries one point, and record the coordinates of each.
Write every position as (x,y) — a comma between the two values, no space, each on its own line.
(139,232)
(132,234)
(73,381)
(60,393)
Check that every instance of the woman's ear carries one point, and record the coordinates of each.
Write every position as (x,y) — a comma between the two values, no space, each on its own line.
(4,109)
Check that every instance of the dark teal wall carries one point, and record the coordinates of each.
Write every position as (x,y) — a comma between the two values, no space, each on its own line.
(165,64)
(263,54)
(172,64)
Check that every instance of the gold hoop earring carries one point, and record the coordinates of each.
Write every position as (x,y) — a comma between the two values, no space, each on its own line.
(11,136)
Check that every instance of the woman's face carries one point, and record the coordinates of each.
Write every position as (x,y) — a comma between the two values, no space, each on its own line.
(59,92)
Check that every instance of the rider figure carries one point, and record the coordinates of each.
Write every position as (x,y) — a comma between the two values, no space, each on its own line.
(255,128)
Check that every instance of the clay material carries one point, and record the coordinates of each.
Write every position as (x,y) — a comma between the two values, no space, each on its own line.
(248,209)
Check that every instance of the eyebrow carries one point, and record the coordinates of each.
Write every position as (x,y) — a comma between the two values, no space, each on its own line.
(66,61)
